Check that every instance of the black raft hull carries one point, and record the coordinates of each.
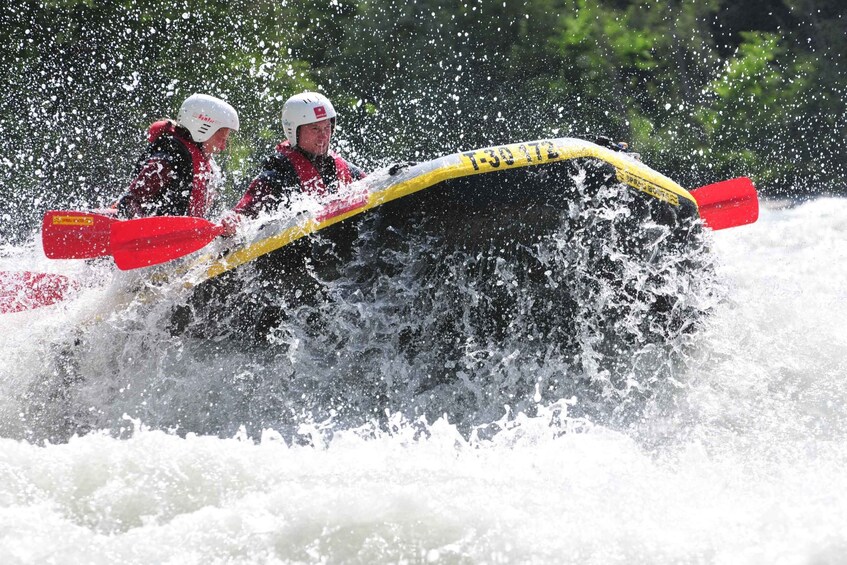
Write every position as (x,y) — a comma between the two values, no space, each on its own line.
(556,219)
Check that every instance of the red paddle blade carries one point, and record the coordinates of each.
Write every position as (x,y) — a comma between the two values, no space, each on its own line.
(150,241)
(728,203)
(24,290)
(75,235)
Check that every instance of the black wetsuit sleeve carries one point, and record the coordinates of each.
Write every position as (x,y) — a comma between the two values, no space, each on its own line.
(162,185)
(271,188)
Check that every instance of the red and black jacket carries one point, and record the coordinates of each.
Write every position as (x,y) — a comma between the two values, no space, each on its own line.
(290,169)
(171,178)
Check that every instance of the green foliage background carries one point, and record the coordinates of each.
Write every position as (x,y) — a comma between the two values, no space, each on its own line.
(704,90)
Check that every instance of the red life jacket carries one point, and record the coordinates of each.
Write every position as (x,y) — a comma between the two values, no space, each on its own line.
(200,200)
(310,178)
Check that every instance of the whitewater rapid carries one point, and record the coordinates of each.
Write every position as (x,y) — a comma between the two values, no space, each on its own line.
(746,466)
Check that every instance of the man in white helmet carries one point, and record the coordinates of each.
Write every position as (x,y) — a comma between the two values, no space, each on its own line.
(303,162)
(177,173)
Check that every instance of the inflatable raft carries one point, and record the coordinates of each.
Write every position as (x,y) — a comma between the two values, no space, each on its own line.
(502,200)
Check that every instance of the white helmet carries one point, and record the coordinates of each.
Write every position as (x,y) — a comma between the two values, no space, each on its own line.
(203,115)
(305,108)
